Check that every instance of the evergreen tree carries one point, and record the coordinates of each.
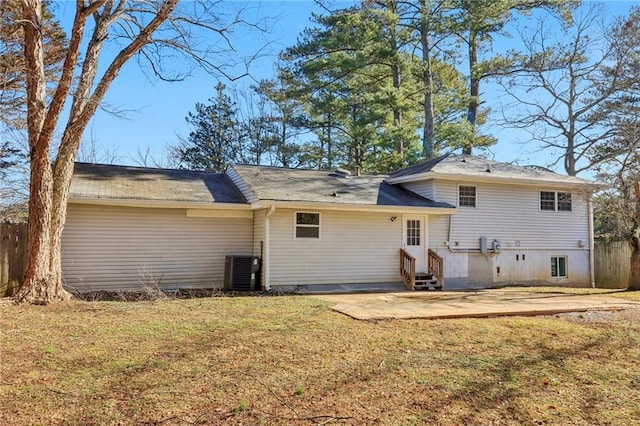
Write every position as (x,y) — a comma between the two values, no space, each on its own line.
(348,70)
(216,137)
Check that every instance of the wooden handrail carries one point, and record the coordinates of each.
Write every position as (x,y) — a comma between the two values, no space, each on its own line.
(407,269)
(436,266)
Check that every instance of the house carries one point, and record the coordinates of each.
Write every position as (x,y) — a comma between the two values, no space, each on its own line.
(458,221)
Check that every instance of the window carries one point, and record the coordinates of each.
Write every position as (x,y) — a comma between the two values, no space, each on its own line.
(467,196)
(307,225)
(413,232)
(564,201)
(555,201)
(558,267)
(547,200)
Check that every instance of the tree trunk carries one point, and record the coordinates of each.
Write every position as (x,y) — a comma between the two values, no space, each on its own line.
(43,278)
(428,145)
(397,112)
(634,262)
(329,142)
(474,93)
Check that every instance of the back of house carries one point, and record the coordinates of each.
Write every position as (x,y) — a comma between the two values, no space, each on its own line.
(452,222)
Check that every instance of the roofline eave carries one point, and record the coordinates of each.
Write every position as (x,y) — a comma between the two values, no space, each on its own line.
(488,179)
(309,205)
(126,202)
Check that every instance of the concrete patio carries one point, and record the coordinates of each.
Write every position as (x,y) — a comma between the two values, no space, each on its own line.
(469,304)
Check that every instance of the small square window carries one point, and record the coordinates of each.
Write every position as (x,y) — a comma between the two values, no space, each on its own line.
(467,196)
(547,200)
(564,201)
(558,267)
(307,225)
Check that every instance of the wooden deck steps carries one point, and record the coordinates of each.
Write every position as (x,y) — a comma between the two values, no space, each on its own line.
(425,281)
(433,278)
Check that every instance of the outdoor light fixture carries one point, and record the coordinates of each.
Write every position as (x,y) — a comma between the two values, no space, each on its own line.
(393,218)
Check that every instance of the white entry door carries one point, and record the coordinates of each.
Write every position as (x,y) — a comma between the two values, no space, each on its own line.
(415,240)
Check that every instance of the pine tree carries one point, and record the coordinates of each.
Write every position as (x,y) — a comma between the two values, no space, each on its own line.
(216,137)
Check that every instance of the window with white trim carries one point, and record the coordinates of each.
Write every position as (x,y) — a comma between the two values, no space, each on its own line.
(555,201)
(558,266)
(307,225)
(466,196)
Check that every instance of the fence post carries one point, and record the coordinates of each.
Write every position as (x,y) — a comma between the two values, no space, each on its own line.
(4,259)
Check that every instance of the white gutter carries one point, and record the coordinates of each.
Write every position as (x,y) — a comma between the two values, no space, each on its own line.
(160,204)
(592,265)
(265,255)
(353,207)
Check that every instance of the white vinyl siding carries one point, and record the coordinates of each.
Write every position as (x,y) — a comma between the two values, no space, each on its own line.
(354,248)
(510,214)
(121,248)
(424,188)
(259,232)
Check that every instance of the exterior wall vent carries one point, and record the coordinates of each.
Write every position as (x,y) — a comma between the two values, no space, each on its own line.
(241,273)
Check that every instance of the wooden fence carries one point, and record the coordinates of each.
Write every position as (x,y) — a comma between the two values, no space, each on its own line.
(611,261)
(13,256)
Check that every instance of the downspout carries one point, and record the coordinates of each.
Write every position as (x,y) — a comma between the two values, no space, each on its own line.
(592,264)
(267,244)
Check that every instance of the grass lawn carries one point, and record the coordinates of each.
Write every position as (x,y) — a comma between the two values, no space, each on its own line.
(291,360)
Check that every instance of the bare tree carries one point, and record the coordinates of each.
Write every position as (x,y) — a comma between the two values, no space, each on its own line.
(160,34)
(145,158)
(617,206)
(562,82)
(91,151)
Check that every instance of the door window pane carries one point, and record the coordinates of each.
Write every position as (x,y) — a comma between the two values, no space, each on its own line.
(413,232)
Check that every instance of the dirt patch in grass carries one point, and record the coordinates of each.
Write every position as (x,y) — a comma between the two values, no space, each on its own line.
(291,360)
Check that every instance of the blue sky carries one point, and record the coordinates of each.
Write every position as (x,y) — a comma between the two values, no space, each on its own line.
(157,109)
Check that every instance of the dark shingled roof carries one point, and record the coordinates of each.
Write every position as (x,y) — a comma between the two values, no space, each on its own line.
(414,169)
(99,181)
(280,184)
(477,167)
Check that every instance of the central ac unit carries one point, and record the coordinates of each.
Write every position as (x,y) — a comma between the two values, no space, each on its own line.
(241,273)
